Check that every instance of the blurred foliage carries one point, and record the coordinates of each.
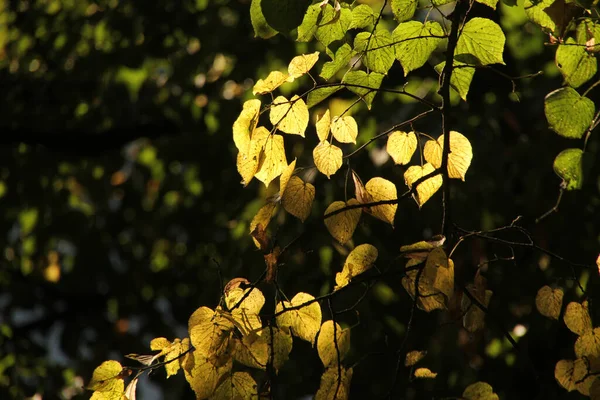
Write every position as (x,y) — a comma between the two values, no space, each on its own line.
(122,211)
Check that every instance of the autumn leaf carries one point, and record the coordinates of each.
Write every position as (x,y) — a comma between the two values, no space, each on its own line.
(301,64)
(285,177)
(344,129)
(289,116)
(380,189)
(328,158)
(274,161)
(323,126)
(459,158)
(424,373)
(252,349)
(413,357)
(480,391)
(549,301)
(209,332)
(171,351)
(425,189)
(474,317)
(239,385)
(577,318)
(335,386)
(203,374)
(107,382)
(305,321)
(298,198)
(245,124)
(401,146)
(270,83)
(568,373)
(326,344)
(358,261)
(342,225)
(588,344)
(246,312)
(262,218)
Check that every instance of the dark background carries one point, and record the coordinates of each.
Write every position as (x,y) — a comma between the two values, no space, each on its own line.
(120,205)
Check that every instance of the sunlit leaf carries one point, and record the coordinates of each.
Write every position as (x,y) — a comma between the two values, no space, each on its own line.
(328,158)
(289,116)
(364,85)
(568,373)
(379,55)
(321,93)
(362,17)
(259,23)
(404,9)
(380,189)
(483,39)
(459,158)
(428,187)
(577,318)
(298,198)
(309,24)
(489,3)
(107,382)
(270,83)
(203,373)
(401,146)
(436,281)
(568,166)
(239,385)
(480,391)
(245,124)
(474,317)
(301,64)
(282,345)
(252,349)
(413,357)
(335,386)
(326,344)
(588,33)
(588,344)
(209,332)
(414,42)
(462,76)
(549,301)
(171,351)
(262,218)
(305,321)
(421,373)
(575,64)
(340,60)
(360,259)
(342,225)
(323,126)
(568,113)
(247,310)
(344,129)
(249,161)
(274,161)
(284,179)
(333,24)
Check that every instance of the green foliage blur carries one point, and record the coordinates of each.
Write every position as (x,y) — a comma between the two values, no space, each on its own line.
(121,211)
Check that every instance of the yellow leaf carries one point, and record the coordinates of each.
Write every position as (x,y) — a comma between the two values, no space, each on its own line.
(301,64)
(344,129)
(568,373)
(262,217)
(274,161)
(252,350)
(289,116)
(588,344)
(480,391)
(323,126)
(298,198)
(459,158)
(427,188)
(204,375)
(272,82)
(342,225)
(328,158)
(413,357)
(358,261)
(577,318)
(421,373)
(171,352)
(305,321)
(285,176)
(549,301)
(245,124)
(436,281)
(380,189)
(326,345)
(209,332)
(246,313)
(159,343)
(474,317)
(334,386)
(282,345)
(249,161)
(401,146)
(238,386)
(107,382)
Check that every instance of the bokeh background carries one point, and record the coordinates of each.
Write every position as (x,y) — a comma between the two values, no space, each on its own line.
(121,210)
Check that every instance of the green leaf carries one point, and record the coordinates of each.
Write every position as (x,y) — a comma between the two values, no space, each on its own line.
(341,59)
(461,78)
(483,39)
(259,23)
(568,113)
(536,12)
(412,45)
(575,64)
(567,166)
(333,24)
(362,17)
(361,78)
(379,55)
(588,34)
(284,15)
(404,9)
(308,27)
(489,3)
(320,94)
(441,2)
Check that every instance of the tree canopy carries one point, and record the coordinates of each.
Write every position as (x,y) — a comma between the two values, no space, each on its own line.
(238,199)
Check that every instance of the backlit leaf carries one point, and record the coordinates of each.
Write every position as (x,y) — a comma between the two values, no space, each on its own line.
(536,12)
(326,345)
(252,349)
(341,59)
(380,189)
(588,344)
(568,373)
(575,64)
(246,312)
(289,116)
(262,218)
(366,84)
(249,161)
(282,345)
(489,3)
(171,351)
(414,42)
(239,385)
(328,158)
(379,55)
(259,23)
(568,113)
(344,129)
(360,259)
(301,64)
(425,189)
(483,39)
(401,146)
(436,282)
(309,24)
(421,373)
(274,161)
(209,332)
(334,386)
(577,318)
(323,126)
(285,176)
(549,301)
(270,83)
(474,317)
(107,382)
(298,198)
(459,158)
(305,321)
(333,24)
(342,225)
(204,374)
(568,166)
(245,124)
(404,9)
(413,357)
(362,17)
(319,94)
(480,391)
(588,33)
(462,75)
